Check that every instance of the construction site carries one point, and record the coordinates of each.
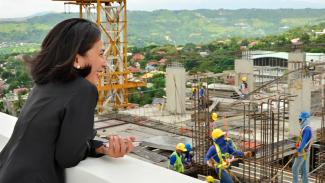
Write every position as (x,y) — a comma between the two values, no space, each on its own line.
(264,120)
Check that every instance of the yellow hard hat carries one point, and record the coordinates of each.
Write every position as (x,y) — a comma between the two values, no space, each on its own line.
(181,146)
(209,179)
(214,116)
(216,133)
(244,78)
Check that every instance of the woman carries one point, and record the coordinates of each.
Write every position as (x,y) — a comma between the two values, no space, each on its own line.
(55,128)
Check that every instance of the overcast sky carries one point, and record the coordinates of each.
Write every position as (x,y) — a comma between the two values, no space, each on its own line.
(22,8)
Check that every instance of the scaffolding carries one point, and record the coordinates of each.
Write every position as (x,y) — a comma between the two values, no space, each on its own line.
(263,129)
(201,129)
(319,152)
(111,17)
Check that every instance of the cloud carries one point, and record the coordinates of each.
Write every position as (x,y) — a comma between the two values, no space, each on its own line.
(21,8)
(226,4)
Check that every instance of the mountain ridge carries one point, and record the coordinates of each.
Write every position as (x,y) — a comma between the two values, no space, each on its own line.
(178,27)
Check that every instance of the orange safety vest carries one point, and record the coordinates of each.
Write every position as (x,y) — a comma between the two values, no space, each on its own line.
(222,165)
(244,89)
(307,144)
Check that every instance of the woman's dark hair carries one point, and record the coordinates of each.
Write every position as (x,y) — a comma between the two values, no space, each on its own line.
(54,63)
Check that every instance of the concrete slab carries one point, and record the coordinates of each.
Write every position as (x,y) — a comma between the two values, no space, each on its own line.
(166,142)
(152,112)
(108,123)
(139,132)
(150,155)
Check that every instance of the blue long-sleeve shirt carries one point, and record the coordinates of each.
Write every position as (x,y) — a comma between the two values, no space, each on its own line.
(224,147)
(201,91)
(172,160)
(306,136)
(188,157)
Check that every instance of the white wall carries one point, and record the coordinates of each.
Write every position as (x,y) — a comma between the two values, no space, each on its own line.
(175,89)
(245,68)
(299,86)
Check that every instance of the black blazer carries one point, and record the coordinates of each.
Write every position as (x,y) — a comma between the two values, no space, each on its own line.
(54,131)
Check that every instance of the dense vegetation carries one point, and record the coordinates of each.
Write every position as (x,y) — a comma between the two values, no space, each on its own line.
(215,55)
(14,73)
(222,53)
(179,27)
(145,95)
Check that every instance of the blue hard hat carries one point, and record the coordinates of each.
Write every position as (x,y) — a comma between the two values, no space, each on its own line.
(188,147)
(304,115)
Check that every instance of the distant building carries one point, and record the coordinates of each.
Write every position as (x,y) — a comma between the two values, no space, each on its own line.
(152,63)
(242,25)
(320,33)
(134,69)
(19,57)
(138,57)
(254,43)
(228,77)
(20,91)
(269,65)
(137,65)
(13,103)
(284,27)
(2,87)
(162,61)
(150,68)
(204,54)
(161,52)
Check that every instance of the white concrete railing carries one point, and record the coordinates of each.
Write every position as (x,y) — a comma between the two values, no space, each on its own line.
(105,169)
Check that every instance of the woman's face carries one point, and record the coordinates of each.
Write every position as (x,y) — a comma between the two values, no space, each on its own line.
(94,58)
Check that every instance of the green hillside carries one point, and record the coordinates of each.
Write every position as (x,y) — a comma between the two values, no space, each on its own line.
(178,27)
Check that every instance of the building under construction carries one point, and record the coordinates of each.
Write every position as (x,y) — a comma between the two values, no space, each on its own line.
(265,122)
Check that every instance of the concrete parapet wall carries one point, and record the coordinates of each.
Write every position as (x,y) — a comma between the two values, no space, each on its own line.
(105,169)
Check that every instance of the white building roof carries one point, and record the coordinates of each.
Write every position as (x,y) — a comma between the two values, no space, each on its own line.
(316,57)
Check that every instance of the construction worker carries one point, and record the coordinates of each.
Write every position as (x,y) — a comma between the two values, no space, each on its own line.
(243,88)
(176,158)
(209,179)
(214,117)
(188,155)
(193,92)
(230,141)
(201,91)
(221,154)
(303,149)
(202,99)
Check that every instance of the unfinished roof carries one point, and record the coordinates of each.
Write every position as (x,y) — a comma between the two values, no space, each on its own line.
(284,55)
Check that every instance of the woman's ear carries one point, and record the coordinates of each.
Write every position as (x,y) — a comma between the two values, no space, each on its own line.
(78,62)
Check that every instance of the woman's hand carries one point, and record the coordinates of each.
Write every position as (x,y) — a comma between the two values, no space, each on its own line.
(117,146)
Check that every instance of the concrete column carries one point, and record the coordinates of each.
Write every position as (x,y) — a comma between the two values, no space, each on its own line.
(300,86)
(245,68)
(175,89)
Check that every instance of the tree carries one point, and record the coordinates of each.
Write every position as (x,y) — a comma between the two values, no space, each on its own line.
(305,38)
(320,39)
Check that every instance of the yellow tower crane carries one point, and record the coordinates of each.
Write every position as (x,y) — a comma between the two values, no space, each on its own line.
(111,17)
